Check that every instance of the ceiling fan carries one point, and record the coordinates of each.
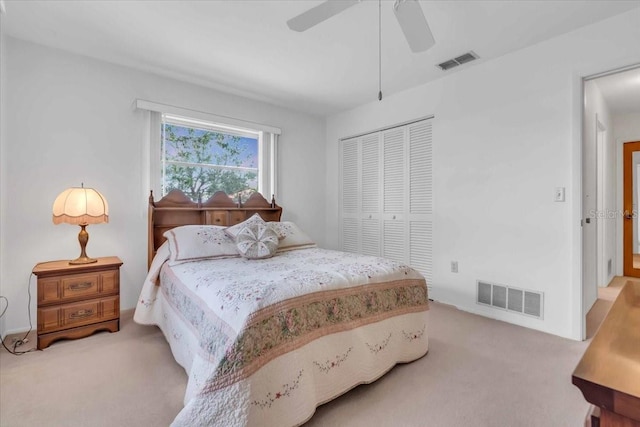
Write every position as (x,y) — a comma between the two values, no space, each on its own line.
(408,13)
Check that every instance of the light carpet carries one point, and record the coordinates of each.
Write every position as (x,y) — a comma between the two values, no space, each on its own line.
(478,372)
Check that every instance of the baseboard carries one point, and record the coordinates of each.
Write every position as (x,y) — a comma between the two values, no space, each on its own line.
(504,316)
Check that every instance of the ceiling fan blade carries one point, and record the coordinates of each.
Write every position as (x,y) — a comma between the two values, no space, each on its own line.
(316,15)
(414,25)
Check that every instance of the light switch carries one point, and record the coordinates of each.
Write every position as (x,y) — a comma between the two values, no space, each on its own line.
(559,196)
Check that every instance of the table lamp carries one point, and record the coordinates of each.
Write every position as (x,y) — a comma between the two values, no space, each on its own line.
(81,206)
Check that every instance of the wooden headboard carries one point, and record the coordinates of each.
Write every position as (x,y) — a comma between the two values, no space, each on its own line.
(176,209)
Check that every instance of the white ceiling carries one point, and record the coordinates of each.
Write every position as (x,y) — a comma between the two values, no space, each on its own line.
(245,47)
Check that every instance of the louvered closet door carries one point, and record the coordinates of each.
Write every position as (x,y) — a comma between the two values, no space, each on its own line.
(349,195)
(387,195)
(393,194)
(370,195)
(420,216)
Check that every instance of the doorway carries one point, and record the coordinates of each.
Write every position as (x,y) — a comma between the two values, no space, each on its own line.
(610,117)
(631,219)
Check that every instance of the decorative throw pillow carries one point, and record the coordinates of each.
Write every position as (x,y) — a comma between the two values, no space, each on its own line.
(193,242)
(292,237)
(235,229)
(257,241)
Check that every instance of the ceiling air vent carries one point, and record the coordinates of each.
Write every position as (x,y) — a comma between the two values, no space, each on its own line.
(459,60)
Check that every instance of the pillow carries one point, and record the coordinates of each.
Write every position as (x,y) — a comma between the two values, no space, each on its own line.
(192,242)
(235,229)
(257,241)
(292,237)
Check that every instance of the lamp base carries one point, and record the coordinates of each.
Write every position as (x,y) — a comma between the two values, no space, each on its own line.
(83,238)
(82,260)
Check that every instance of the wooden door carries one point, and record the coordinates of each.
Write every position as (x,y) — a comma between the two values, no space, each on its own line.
(631,164)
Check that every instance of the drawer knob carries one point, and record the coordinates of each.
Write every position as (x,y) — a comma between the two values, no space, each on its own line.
(80,286)
(80,314)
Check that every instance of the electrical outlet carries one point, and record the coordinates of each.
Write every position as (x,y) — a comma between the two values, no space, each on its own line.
(17,341)
(454,266)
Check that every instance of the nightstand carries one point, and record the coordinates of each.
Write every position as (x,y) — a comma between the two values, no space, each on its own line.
(74,301)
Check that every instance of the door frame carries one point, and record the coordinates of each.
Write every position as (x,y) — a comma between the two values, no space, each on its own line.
(629,215)
(579,77)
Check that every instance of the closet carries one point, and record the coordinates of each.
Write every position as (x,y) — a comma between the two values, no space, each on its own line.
(387,194)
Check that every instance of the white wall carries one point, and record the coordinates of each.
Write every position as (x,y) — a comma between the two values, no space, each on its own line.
(70,119)
(506,133)
(626,128)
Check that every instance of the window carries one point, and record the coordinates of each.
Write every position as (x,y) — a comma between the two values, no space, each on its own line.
(201,158)
(201,153)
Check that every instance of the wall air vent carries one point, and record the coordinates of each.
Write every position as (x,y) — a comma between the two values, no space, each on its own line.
(511,299)
(459,60)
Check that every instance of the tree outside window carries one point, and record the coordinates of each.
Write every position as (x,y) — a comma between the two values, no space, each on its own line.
(200,162)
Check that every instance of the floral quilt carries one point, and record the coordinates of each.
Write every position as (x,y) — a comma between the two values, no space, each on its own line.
(247,313)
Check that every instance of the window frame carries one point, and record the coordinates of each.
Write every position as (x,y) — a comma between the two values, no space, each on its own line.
(268,153)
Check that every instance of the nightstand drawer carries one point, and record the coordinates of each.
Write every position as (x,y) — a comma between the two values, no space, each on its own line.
(55,290)
(78,314)
(81,285)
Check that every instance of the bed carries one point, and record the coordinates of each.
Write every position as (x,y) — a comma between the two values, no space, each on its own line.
(265,341)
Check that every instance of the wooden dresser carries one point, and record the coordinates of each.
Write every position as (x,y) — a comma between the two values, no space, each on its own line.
(609,373)
(75,301)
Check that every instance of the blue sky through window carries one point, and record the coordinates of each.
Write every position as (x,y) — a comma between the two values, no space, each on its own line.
(248,147)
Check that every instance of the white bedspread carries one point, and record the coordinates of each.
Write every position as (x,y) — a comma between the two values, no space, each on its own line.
(265,341)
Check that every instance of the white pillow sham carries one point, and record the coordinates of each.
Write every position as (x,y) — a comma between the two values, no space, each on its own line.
(193,242)
(291,236)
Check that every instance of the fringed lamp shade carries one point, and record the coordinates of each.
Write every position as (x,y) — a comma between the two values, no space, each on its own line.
(81,206)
